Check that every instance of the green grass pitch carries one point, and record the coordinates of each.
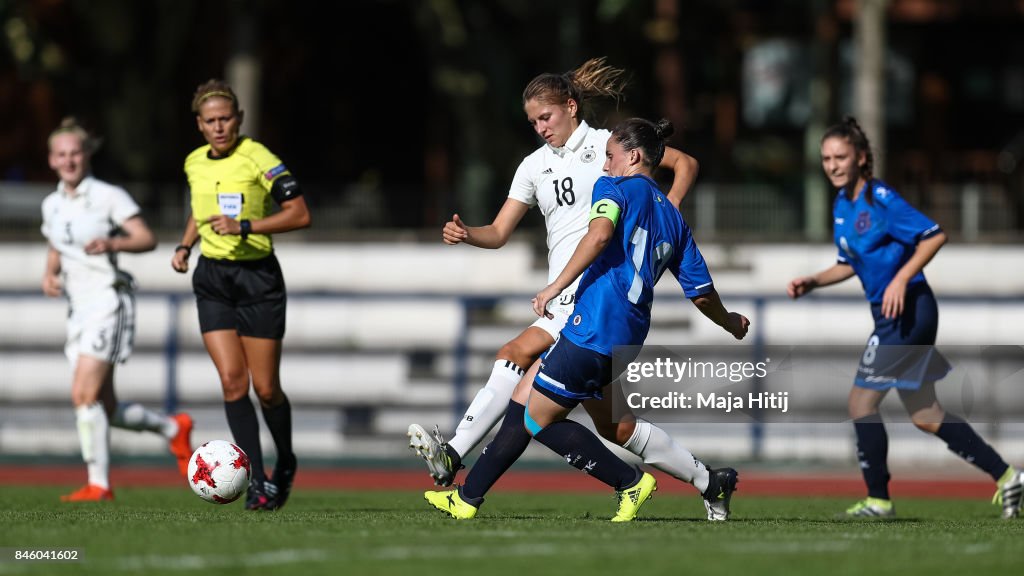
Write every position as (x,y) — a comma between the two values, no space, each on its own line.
(170,531)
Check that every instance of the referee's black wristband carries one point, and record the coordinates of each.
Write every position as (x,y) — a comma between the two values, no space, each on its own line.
(184,247)
(246,227)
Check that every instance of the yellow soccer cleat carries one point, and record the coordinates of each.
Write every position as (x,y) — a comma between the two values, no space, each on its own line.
(1010,492)
(872,508)
(631,499)
(450,503)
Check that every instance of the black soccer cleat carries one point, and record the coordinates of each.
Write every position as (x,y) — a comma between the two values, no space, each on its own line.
(282,479)
(260,495)
(721,484)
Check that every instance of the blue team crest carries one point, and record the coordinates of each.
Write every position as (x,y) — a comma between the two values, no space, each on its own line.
(863,222)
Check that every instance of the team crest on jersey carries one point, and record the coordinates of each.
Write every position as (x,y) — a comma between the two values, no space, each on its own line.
(863,222)
(588,156)
(576,320)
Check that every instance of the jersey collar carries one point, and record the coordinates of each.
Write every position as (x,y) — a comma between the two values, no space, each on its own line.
(574,141)
(81,190)
(846,194)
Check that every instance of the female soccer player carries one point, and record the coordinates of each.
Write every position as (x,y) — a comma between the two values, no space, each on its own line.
(240,291)
(558,178)
(87,222)
(634,235)
(887,243)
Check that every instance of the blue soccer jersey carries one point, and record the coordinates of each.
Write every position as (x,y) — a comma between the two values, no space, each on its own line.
(877,238)
(613,302)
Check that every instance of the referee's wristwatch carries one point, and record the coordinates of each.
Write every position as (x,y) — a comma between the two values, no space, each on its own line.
(246,227)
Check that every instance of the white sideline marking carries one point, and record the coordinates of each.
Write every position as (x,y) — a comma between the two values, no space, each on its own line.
(414,552)
(197,561)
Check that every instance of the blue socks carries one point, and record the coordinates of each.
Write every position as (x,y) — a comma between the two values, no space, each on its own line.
(508,445)
(962,440)
(585,451)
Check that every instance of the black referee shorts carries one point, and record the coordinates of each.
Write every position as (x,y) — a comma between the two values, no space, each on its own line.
(248,296)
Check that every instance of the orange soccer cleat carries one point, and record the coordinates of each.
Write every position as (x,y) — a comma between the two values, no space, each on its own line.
(89,493)
(181,444)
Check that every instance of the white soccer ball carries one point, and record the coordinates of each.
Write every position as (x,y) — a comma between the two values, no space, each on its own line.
(219,472)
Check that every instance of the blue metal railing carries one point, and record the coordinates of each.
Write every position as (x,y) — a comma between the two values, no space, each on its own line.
(461,348)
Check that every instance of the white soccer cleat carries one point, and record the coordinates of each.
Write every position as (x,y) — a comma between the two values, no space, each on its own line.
(431,448)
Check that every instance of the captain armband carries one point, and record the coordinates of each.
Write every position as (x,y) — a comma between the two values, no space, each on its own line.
(285,188)
(605,208)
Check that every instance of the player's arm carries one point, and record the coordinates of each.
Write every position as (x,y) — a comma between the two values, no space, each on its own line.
(710,305)
(835,274)
(51,275)
(293,215)
(493,235)
(892,299)
(135,237)
(684,173)
(179,262)
(593,242)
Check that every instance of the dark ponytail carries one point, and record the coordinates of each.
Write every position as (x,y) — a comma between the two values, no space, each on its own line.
(851,131)
(637,133)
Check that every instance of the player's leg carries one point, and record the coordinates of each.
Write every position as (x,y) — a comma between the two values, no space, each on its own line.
(961,439)
(261,328)
(545,418)
(507,446)
(225,349)
(264,359)
(659,450)
(444,459)
(570,375)
(176,429)
(90,376)
(872,451)
(646,440)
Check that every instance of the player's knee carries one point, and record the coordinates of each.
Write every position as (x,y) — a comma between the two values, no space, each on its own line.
(270,397)
(612,432)
(926,425)
(515,352)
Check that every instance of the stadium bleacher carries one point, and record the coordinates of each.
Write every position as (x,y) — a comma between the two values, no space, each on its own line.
(379,335)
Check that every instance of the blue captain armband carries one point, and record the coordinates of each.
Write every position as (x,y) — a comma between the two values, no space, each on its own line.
(605,208)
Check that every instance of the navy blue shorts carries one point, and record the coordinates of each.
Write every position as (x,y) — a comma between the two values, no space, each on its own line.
(570,374)
(248,296)
(901,351)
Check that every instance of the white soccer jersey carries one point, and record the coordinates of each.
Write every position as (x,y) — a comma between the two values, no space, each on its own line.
(560,181)
(70,222)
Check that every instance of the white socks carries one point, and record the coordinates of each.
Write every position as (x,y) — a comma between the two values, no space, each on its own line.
(658,449)
(488,407)
(138,417)
(94,435)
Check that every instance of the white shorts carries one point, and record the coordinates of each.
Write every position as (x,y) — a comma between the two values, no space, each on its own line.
(102,326)
(561,308)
